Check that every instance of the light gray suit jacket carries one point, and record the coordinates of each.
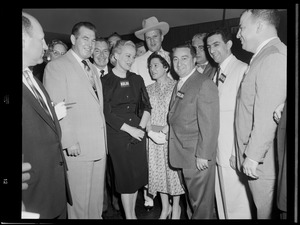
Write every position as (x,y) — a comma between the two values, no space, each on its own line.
(261,91)
(65,79)
(228,89)
(194,122)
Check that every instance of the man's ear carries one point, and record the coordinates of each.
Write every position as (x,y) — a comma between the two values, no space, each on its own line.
(73,38)
(229,44)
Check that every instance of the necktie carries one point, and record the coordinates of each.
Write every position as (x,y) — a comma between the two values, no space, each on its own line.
(102,73)
(90,75)
(217,75)
(36,93)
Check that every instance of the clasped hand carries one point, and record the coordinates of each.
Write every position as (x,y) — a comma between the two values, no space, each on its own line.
(158,137)
(137,135)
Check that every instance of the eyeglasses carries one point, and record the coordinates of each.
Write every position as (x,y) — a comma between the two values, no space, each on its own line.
(57,53)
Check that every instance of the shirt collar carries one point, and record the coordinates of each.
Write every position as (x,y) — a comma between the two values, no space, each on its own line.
(186,77)
(224,64)
(78,58)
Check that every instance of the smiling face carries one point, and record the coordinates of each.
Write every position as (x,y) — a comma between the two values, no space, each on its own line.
(57,51)
(247,32)
(101,54)
(125,58)
(183,61)
(217,48)
(84,43)
(154,40)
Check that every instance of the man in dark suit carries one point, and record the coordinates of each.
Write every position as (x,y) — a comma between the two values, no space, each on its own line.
(194,128)
(48,189)
(100,56)
(203,65)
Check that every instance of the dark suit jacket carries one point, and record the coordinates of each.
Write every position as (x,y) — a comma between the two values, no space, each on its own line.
(194,122)
(281,157)
(209,71)
(48,190)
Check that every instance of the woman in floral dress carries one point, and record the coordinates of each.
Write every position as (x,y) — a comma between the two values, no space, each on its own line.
(162,178)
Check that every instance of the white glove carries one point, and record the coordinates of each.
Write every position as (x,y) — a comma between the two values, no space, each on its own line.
(158,138)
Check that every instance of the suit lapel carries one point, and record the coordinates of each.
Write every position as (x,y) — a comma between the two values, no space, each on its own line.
(183,89)
(38,108)
(82,74)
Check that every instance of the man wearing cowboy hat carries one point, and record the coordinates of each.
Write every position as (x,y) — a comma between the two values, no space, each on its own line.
(153,34)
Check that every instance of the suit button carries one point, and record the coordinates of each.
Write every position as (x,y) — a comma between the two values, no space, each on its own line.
(130,119)
(61,163)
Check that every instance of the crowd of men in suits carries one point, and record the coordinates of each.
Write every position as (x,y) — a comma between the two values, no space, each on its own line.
(221,128)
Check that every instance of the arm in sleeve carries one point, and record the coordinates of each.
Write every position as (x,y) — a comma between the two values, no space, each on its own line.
(55,83)
(208,117)
(270,92)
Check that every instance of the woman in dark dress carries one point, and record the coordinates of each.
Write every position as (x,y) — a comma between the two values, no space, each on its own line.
(123,92)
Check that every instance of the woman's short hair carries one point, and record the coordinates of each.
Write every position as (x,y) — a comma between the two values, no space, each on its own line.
(118,49)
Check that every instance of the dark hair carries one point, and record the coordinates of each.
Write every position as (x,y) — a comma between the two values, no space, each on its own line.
(186,45)
(224,32)
(88,25)
(140,44)
(161,59)
(269,15)
(102,39)
(26,25)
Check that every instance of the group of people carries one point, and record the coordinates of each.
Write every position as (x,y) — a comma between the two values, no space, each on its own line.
(104,120)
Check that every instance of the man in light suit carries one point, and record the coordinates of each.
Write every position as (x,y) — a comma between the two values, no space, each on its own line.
(231,185)
(194,127)
(204,67)
(47,191)
(262,89)
(83,129)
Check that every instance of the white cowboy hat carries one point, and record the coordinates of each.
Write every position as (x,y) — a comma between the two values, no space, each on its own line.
(151,24)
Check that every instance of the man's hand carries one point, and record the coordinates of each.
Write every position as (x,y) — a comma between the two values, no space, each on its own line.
(25,176)
(74,150)
(249,168)
(232,162)
(277,113)
(202,164)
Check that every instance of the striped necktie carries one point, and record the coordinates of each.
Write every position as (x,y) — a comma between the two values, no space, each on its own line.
(37,94)
(90,75)
(217,75)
